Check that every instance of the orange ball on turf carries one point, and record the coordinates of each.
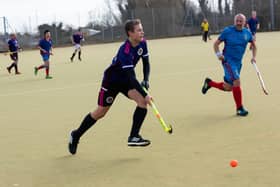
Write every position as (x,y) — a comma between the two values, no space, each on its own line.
(233,163)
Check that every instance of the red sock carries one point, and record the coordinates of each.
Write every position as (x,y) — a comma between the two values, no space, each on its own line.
(237,95)
(47,71)
(40,67)
(218,85)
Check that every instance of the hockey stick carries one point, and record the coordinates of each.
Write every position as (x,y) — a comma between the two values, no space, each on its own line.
(167,128)
(260,78)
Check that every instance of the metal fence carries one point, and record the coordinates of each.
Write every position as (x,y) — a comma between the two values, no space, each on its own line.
(157,23)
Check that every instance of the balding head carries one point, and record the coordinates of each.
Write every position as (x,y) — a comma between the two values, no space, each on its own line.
(239,21)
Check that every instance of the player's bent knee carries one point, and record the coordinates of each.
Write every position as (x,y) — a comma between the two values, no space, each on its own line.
(99,113)
(236,82)
(227,87)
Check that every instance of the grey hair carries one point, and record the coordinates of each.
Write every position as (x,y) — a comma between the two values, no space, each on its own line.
(239,15)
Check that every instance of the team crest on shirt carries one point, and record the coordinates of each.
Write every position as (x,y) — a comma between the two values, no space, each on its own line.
(140,51)
(109,100)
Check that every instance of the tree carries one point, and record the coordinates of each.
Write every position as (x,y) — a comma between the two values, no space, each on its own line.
(220,7)
(227,8)
(204,7)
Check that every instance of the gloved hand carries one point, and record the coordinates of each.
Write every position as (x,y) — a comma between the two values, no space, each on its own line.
(145,84)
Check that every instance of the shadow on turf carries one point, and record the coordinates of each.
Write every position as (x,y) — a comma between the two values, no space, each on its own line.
(210,119)
(81,163)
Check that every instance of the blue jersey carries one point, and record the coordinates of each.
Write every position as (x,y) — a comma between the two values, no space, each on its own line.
(127,57)
(13,45)
(253,22)
(77,38)
(46,45)
(235,43)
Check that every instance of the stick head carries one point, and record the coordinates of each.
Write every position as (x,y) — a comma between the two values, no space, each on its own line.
(170,129)
(265,91)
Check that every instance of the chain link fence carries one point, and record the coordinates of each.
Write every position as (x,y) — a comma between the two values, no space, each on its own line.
(157,23)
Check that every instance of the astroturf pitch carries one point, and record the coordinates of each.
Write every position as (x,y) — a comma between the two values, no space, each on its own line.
(36,116)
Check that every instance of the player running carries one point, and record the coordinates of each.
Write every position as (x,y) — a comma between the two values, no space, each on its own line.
(45,46)
(120,77)
(76,39)
(13,51)
(253,25)
(235,39)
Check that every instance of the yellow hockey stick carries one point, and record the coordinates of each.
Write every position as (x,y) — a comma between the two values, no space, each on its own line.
(167,128)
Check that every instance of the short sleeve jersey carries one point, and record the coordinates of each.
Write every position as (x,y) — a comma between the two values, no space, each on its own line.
(235,42)
(205,26)
(13,45)
(253,22)
(127,57)
(77,38)
(46,45)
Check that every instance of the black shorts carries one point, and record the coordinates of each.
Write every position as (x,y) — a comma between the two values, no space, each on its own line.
(14,56)
(108,93)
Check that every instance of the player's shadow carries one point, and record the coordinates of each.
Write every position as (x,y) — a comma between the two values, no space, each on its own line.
(212,119)
(76,163)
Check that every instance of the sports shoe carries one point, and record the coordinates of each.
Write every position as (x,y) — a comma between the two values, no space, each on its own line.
(48,77)
(80,59)
(241,111)
(137,141)
(18,73)
(206,86)
(9,70)
(73,144)
(71,59)
(35,70)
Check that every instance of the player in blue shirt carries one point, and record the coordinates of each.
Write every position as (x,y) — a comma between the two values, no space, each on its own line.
(13,50)
(76,41)
(253,24)
(235,39)
(120,77)
(45,46)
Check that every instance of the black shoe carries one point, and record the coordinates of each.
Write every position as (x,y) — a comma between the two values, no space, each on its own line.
(206,86)
(73,144)
(8,69)
(137,141)
(80,59)
(241,111)
(71,59)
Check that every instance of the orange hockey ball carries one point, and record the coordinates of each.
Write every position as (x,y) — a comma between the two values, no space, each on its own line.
(233,163)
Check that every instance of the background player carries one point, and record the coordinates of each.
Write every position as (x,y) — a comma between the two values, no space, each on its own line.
(76,39)
(45,46)
(13,50)
(253,24)
(235,39)
(120,77)
(205,29)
